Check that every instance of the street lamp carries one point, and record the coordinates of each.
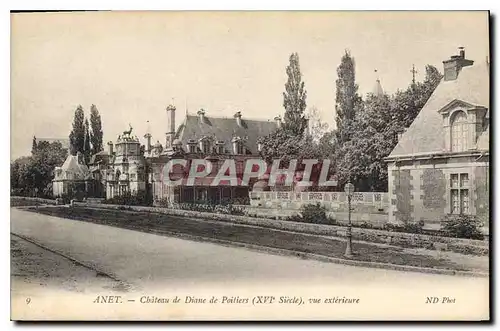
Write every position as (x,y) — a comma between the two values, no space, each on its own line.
(349,190)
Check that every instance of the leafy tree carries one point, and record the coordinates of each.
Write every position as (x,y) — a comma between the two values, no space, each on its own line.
(280,145)
(86,145)
(33,175)
(374,132)
(96,130)
(412,100)
(294,98)
(347,100)
(33,146)
(77,134)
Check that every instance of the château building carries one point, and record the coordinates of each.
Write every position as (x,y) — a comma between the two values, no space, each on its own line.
(440,165)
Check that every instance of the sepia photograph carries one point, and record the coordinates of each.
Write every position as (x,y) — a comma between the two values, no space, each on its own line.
(250,166)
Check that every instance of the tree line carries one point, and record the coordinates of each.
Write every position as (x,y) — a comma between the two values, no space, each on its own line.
(32,175)
(366,128)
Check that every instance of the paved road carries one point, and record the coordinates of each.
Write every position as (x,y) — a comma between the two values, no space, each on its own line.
(159,265)
(145,259)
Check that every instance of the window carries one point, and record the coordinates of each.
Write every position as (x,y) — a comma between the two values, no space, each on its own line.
(239,147)
(459,132)
(191,148)
(205,146)
(459,184)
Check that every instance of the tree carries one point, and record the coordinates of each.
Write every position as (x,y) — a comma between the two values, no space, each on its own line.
(412,100)
(35,173)
(294,99)
(281,145)
(77,134)
(347,99)
(318,128)
(96,130)
(86,144)
(33,146)
(374,131)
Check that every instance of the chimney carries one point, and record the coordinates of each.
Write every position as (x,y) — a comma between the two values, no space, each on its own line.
(238,118)
(277,119)
(170,125)
(201,115)
(453,66)
(79,157)
(148,142)
(110,148)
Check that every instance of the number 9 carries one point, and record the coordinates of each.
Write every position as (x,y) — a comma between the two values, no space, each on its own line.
(28,300)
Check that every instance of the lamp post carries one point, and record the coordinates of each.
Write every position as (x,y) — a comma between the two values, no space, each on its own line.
(349,190)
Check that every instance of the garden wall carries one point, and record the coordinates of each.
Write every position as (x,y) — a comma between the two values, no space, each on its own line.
(467,246)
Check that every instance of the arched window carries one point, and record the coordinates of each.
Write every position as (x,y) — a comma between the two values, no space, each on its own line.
(459,132)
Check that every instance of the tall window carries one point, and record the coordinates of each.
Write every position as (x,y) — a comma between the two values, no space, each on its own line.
(459,132)
(205,146)
(239,148)
(459,184)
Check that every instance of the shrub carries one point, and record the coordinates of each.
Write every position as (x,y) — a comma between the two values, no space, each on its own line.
(462,226)
(211,208)
(411,227)
(128,199)
(312,214)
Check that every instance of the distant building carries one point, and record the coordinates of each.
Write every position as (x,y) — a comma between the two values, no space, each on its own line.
(73,178)
(213,138)
(441,163)
(125,169)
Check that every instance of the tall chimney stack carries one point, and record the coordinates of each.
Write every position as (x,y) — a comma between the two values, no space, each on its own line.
(171,126)
(454,65)
(238,118)
(110,148)
(277,119)
(201,115)
(148,142)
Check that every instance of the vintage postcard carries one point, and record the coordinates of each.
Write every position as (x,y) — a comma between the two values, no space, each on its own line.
(250,166)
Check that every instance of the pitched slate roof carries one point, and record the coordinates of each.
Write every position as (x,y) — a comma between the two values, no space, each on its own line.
(426,133)
(71,165)
(224,129)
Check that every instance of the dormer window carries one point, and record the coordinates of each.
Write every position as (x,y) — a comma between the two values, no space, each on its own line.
(205,146)
(220,147)
(237,145)
(191,146)
(239,148)
(459,132)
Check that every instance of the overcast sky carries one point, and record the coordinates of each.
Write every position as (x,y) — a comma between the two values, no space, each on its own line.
(132,65)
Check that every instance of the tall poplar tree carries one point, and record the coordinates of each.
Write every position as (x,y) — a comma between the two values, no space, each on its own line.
(96,130)
(86,145)
(77,134)
(347,99)
(294,99)
(33,146)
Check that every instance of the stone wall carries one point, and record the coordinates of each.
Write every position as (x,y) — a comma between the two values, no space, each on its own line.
(420,190)
(469,246)
(482,193)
